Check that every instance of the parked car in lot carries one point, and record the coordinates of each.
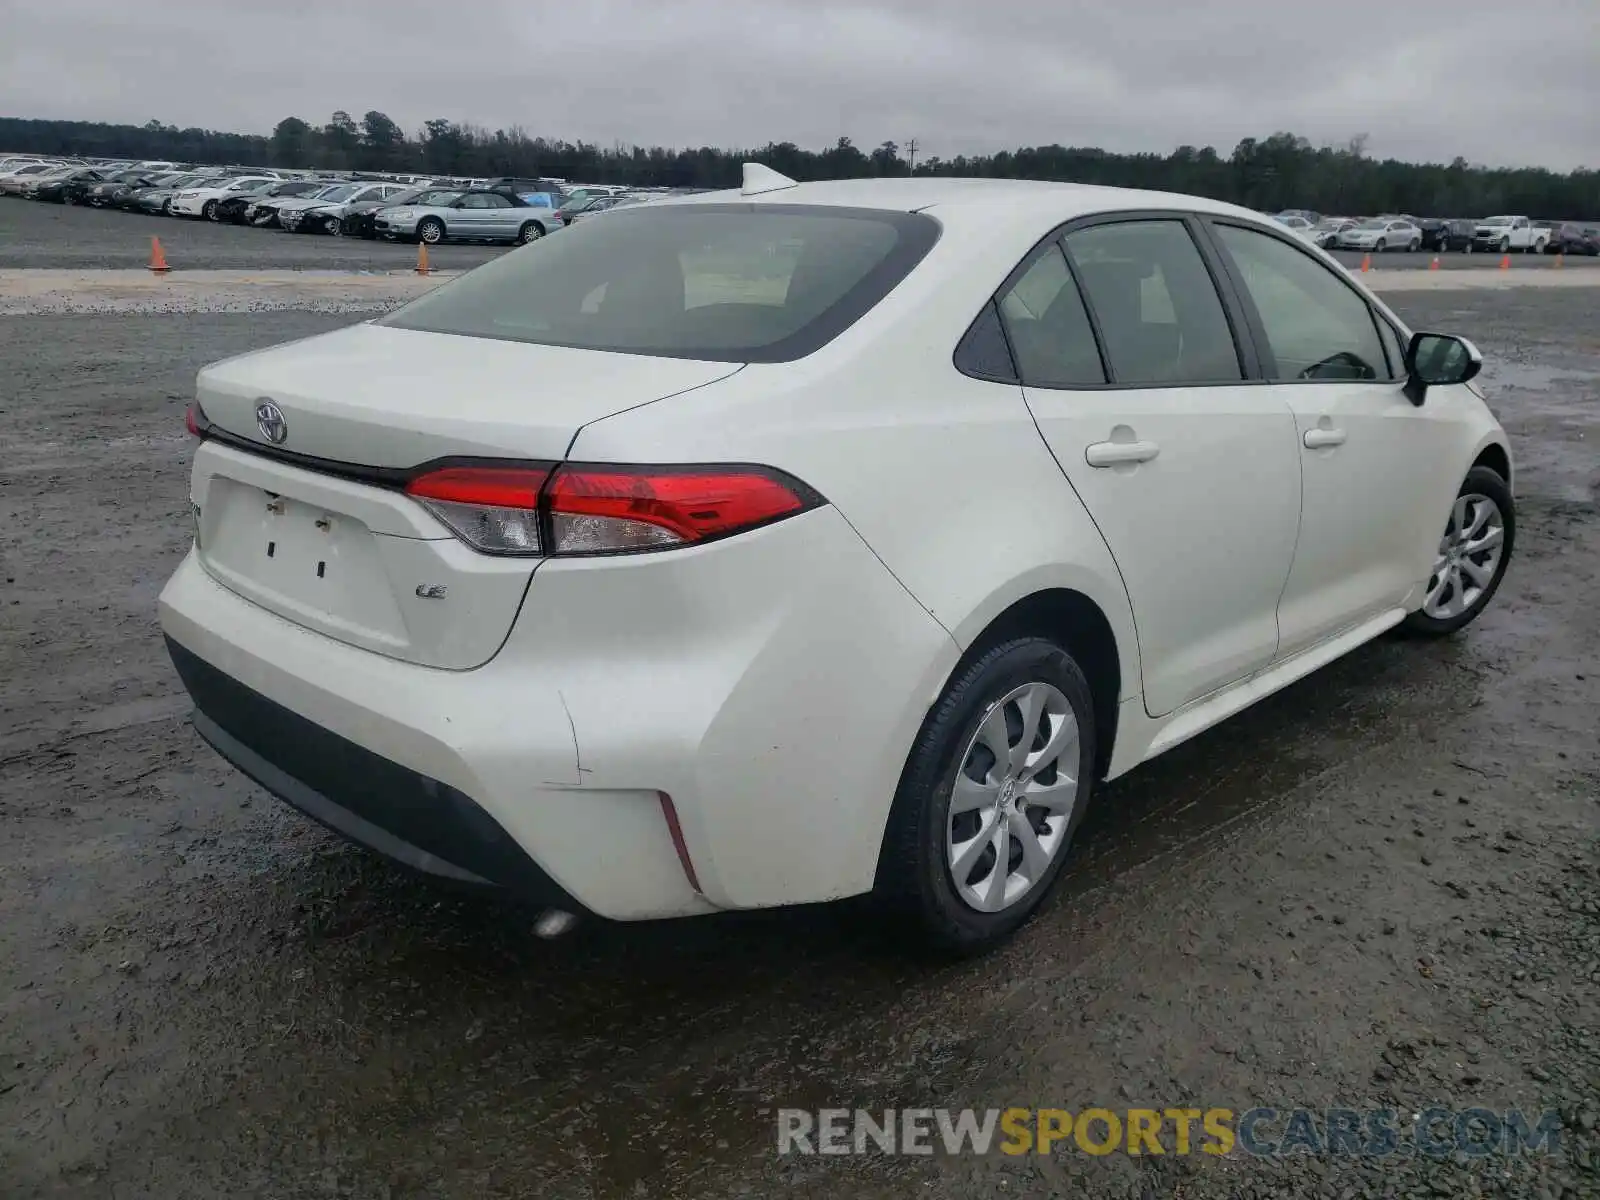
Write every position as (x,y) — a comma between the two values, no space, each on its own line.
(67,188)
(1442,234)
(27,185)
(1327,230)
(1505,234)
(326,212)
(158,198)
(468,216)
(1297,225)
(1380,234)
(242,208)
(359,217)
(799,580)
(267,210)
(597,204)
(1571,238)
(14,180)
(100,192)
(204,201)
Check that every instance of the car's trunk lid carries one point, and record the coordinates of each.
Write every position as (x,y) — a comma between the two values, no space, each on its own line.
(316,528)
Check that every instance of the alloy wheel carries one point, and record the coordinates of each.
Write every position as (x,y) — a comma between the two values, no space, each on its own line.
(1012,797)
(1469,556)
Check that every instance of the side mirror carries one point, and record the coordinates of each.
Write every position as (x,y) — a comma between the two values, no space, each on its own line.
(1439,359)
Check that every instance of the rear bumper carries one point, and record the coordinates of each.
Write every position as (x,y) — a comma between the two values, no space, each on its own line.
(769,684)
(400,813)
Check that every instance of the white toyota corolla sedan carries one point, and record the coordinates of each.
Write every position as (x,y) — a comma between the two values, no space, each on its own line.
(773,546)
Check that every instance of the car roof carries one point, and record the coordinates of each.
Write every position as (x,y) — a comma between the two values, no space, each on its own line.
(1024,200)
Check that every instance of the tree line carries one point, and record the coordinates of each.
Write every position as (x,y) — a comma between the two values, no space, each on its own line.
(1272,173)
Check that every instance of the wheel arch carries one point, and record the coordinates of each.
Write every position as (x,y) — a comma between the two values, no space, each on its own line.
(1497,457)
(1076,622)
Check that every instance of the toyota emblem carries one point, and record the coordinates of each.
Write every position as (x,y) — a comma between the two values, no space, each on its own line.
(269,419)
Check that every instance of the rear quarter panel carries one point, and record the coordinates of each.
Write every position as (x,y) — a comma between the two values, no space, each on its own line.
(945,477)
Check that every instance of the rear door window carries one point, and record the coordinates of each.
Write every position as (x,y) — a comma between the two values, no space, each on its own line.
(1160,318)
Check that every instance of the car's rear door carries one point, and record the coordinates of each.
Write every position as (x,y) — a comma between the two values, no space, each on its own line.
(1140,383)
(1375,468)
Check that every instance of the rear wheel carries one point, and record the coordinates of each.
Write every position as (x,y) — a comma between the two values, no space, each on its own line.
(1472,556)
(430,230)
(991,794)
(531,231)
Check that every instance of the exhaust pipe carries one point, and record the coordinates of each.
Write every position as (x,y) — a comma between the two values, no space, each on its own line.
(554,922)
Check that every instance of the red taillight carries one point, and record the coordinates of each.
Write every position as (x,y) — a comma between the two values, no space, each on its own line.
(492,509)
(500,487)
(194,421)
(602,509)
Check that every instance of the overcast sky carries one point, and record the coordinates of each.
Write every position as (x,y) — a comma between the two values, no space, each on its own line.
(1511,82)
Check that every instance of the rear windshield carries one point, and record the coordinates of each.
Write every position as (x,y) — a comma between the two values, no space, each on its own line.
(724,282)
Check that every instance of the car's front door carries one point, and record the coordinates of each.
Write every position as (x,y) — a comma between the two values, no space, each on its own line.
(1188,469)
(1376,481)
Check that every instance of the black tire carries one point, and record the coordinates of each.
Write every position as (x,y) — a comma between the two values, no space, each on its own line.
(208,210)
(1505,245)
(430,230)
(1485,482)
(531,231)
(333,227)
(1380,245)
(1416,244)
(914,879)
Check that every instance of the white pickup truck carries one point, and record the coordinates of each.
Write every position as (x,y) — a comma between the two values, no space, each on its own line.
(1509,233)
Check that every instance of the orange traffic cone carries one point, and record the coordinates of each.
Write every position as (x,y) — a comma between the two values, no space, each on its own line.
(1366,262)
(158,260)
(1505,262)
(422,258)
(1434,265)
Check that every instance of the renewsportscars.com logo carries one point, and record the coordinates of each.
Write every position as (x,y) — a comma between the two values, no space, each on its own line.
(1263,1132)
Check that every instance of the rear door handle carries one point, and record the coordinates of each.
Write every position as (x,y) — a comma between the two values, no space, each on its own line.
(1112,454)
(1323,437)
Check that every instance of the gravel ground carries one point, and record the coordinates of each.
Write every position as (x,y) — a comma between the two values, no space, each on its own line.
(1378,889)
(52,235)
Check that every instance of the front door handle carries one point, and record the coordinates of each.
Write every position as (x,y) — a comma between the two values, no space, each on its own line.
(1114,454)
(1322,437)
